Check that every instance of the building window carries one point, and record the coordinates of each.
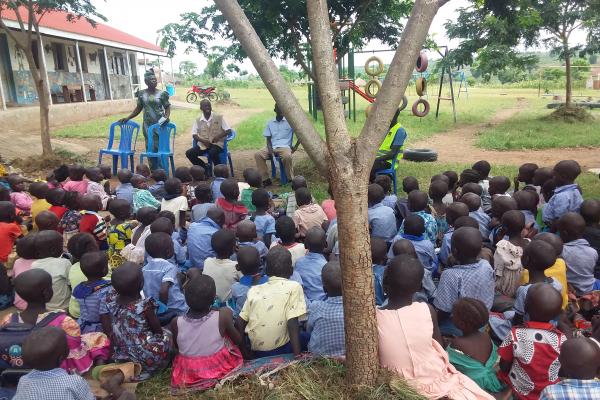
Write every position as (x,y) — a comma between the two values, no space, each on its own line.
(83,58)
(60,57)
(36,53)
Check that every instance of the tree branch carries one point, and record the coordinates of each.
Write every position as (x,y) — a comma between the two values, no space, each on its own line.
(12,35)
(396,79)
(266,68)
(299,56)
(339,141)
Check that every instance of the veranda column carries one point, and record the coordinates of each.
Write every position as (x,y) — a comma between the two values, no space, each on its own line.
(80,71)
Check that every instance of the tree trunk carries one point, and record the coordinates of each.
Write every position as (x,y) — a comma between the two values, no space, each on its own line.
(569,89)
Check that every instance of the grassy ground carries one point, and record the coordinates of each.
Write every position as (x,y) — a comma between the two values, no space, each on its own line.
(529,130)
(318,380)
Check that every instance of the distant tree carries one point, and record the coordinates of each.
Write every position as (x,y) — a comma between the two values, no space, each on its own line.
(29,14)
(593,59)
(188,68)
(284,29)
(214,62)
(495,29)
(583,68)
(511,75)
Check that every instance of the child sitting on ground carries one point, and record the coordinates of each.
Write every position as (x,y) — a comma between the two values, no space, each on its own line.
(220,267)
(76,183)
(79,245)
(507,258)
(160,276)
(203,201)
(537,258)
(200,235)
(106,172)
(410,340)
(414,230)
(474,354)
(234,210)
(206,339)
(254,179)
(379,259)
(95,186)
(580,257)
(499,186)
(56,199)
(427,292)
(453,212)
(437,191)
(90,293)
(144,170)
(310,266)
(58,176)
(46,221)
(500,205)
(471,277)
(26,253)
(529,354)
(221,173)
(157,189)
(175,201)
(328,205)
(471,187)
(308,214)
(401,210)
(385,182)
(18,196)
(35,287)
(247,237)
(326,317)
(69,223)
(184,175)
(166,224)
(483,168)
(141,195)
(125,190)
(265,223)
(526,174)
(285,230)
(132,324)
(135,251)
(452,185)
(248,264)
(567,197)
(120,231)
(579,365)
(270,314)
(198,178)
(590,211)
(473,202)
(10,230)
(92,222)
(527,201)
(290,198)
(382,222)
(418,203)
(48,252)
(39,191)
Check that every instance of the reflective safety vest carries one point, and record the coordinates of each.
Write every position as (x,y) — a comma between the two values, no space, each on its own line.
(386,146)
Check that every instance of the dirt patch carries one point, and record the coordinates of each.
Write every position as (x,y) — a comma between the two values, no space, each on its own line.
(458,146)
(35,164)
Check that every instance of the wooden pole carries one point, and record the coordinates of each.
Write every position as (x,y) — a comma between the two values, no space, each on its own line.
(107,72)
(80,71)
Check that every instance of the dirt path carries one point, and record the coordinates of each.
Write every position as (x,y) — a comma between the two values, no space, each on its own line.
(458,146)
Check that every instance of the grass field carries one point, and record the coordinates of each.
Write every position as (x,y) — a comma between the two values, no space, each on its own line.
(529,130)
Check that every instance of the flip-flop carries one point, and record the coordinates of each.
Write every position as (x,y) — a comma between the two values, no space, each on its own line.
(102,373)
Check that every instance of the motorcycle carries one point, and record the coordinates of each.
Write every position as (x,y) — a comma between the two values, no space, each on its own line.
(209,92)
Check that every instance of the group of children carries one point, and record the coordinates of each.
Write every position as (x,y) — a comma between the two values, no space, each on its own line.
(468,275)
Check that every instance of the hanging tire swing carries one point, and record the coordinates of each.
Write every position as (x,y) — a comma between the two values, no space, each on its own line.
(372,88)
(379,68)
(422,63)
(421,86)
(415,108)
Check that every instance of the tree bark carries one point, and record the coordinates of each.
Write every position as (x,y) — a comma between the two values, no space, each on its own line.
(569,84)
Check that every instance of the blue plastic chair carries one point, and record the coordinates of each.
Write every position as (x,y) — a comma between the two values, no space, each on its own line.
(225,155)
(166,145)
(283,176)
(392,169)
(128,137)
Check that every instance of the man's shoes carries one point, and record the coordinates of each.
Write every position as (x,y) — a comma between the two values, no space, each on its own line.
(267,182)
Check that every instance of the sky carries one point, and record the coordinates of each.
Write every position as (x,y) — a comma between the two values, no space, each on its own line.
(144,18)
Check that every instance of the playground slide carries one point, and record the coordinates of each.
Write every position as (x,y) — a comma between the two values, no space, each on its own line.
(362,94)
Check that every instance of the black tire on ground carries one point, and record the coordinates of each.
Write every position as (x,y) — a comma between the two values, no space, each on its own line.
(191,98)
(403,103)
(419,155)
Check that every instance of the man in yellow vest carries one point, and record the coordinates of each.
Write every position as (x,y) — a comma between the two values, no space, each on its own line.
(209,133)
(391,147)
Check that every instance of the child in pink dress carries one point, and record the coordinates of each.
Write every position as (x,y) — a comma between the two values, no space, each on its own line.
(410,339)
(206,339)
(19,197)
(76,182)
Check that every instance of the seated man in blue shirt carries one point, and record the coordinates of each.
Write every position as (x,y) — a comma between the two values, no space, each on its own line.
(279,136)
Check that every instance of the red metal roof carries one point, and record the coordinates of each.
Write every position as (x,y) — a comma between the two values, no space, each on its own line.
(58,20)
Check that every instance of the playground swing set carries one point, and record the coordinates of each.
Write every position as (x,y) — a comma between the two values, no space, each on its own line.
(375,68)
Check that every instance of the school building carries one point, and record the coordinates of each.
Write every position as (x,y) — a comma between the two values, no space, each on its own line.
(84,63)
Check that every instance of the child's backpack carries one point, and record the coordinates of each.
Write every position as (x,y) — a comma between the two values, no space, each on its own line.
(12,336)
